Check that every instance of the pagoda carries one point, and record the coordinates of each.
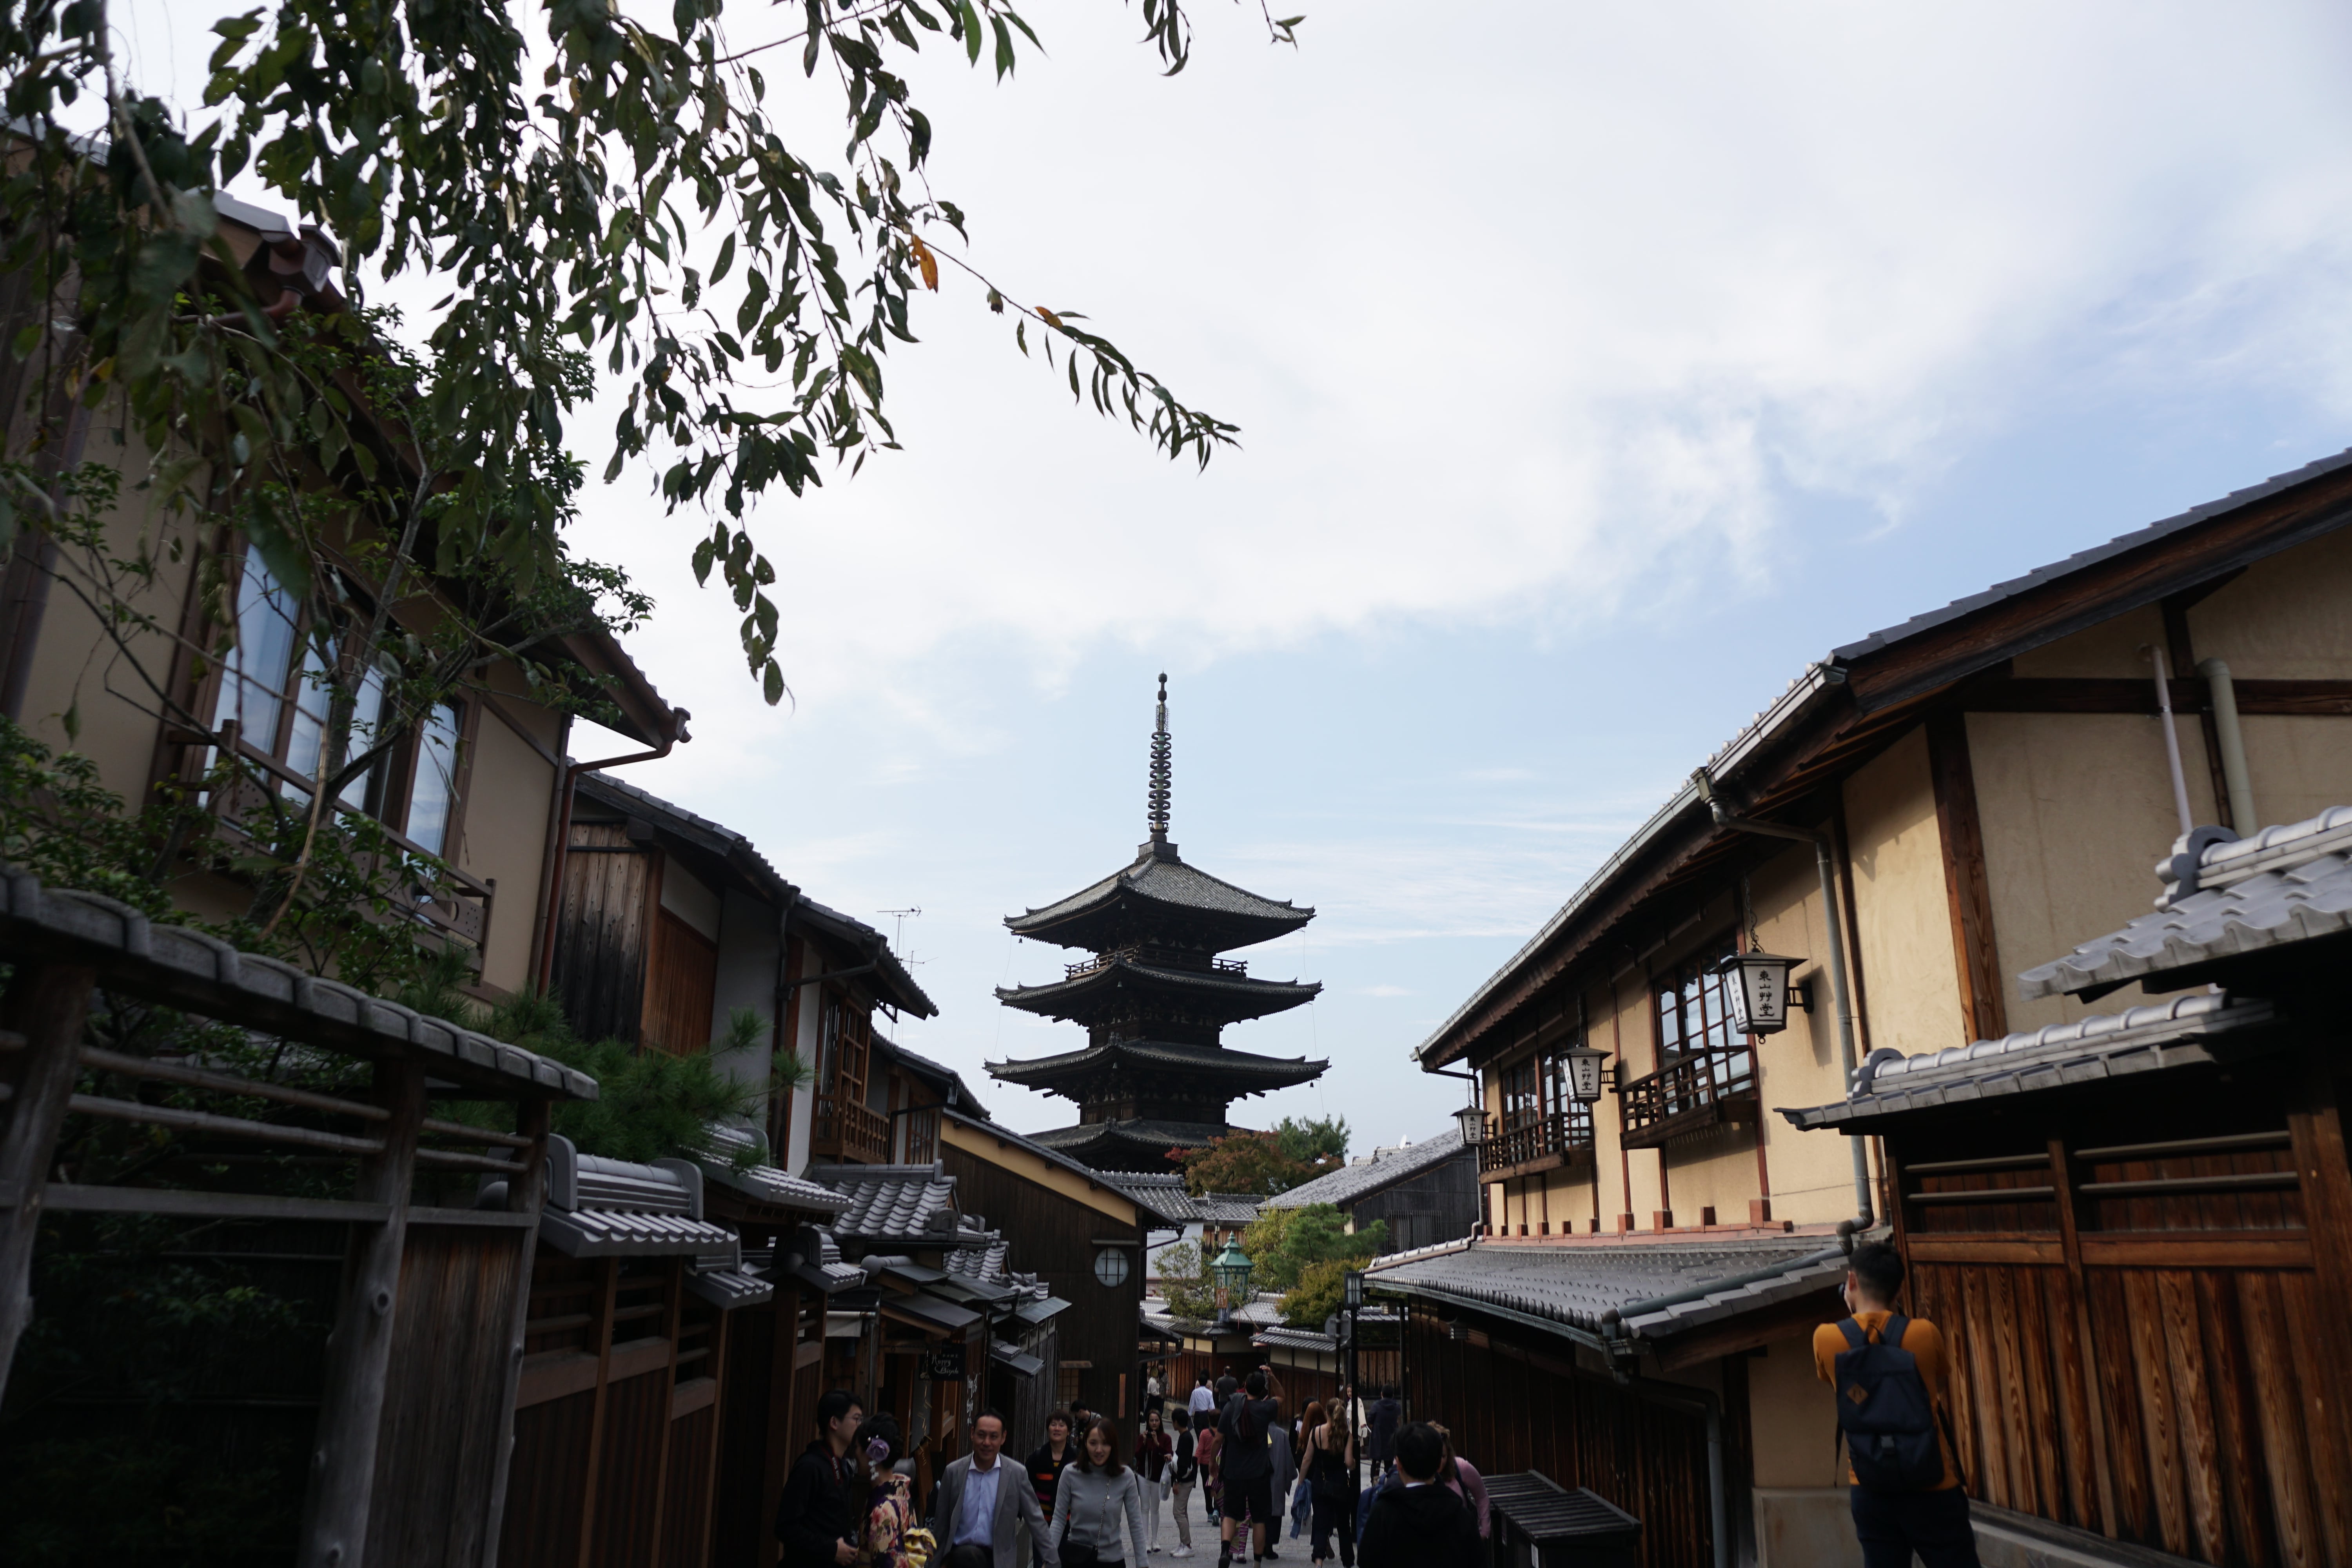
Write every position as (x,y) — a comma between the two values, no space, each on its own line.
(1154,998)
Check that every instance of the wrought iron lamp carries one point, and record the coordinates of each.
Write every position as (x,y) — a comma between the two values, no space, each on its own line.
(1352,1287)
(1231,1269)
(1584,1072)
(1760,991)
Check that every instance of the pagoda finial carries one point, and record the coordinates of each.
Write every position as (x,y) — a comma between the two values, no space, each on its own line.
(1161,768)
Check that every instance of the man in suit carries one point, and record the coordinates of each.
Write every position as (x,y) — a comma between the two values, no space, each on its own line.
(982,1503)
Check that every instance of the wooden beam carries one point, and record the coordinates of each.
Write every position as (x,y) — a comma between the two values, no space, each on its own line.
(359,1351)
(1984,1011)
(45,1006)
(2090,694)
(525,1194)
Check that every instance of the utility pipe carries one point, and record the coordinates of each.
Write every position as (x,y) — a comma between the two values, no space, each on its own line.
(563,833)
(2234,746)
(1825,864)
(2171,736)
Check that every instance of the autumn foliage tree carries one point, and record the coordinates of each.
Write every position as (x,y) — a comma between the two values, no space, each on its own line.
(1264,1164)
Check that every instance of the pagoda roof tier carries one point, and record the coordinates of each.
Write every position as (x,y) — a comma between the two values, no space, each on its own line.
(1119,985)
(1159,897)
(1245,1073)
(1129,1145)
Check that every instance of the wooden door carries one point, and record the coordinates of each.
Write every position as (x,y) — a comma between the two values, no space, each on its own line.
(682,989)
(601,933)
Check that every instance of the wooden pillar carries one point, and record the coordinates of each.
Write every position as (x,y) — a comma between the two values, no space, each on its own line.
(358,1351)
(783,1421)
(608,1285)
(525,1194)
(1984,1010)
(39,1059)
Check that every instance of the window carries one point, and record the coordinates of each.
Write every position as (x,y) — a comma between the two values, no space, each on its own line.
(1701,1063)
(1111,1266)
(1540,1118)
(1695,1012)
(278,704)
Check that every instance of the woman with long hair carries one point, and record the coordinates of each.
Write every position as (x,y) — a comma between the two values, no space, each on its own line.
(1097,1492)
(1468,1485)
(891,1518)
(1154,1456)
(1330,1467)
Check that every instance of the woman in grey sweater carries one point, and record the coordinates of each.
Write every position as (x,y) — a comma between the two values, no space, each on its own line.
(1095,1495)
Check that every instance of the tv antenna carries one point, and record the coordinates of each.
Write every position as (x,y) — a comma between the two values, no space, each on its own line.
(899,935)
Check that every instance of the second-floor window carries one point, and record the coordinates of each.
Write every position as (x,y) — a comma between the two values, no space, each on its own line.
(1701,1062)
(1539,1117)
(278,702)
(1693,1006)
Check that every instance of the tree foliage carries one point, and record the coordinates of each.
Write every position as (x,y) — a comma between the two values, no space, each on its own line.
(1284,1243)
(1185,1282)
(1264,1164)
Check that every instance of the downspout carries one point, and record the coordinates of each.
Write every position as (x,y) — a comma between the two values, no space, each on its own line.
(2171,736)
(563,831)
(2233,747)
(1825,864)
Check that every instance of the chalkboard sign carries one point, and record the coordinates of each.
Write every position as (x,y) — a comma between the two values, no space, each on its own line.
(947,1364)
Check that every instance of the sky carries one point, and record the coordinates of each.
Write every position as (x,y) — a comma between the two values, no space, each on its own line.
(1598,366)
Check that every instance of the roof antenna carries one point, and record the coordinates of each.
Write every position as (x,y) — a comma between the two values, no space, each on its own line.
(1161,768)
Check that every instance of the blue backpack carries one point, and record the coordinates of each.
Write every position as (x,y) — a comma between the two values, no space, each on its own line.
(1885,1414)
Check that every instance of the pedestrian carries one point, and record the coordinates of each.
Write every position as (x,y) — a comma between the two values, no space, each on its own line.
(1245,1466)
(1154,1457)
(1283,1451)
(1460,1474)
(1331,1481)
(982,1502)
(1418,1523)
(1302,1495)
(1203,1401)
(1888,1371)
(889,1516)
(1208,1444)
(1182,1479)
(1096,1495)
(1051,1458)
(816,1520)
(1388,1415)
(1153,1396)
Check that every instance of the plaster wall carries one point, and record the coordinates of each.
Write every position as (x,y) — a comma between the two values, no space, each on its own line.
(804,1045)
(503,821)
(2076,809)
(690,898)
(1903,934)
(2287,619)
(747,937)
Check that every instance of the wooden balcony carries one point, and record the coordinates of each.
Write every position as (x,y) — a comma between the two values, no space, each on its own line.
(848,1133)
(1562,1139)
(1689,1094)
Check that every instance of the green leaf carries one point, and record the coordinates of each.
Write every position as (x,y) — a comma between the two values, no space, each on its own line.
(726,260)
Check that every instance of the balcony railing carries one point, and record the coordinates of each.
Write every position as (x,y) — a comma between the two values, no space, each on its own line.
(922,1137)
(1159,958)
(845,1130)
(1562,1133)
(1688,1094)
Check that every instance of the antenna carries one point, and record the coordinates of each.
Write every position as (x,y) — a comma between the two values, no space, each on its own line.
(898,935)
(1160,769)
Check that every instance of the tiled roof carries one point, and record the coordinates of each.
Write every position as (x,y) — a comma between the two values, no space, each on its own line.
(1050,1155)
(813,1254)
(898,1203)
(2187,1031)
(1014,1357)
(1575,1285)
(766,1183)
(1232,998)
(1140,1133)
(1168,882)
(959,1092)
(984,1269)
(1272,1072)
(615,1233)
(1349,1183)
(1296,1340)
(897,987)
(1162,1196)
(2284,885)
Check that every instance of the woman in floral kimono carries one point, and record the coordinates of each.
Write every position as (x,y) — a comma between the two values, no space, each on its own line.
(892,1538)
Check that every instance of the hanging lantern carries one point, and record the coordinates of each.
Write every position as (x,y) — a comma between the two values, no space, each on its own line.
(1232,1269)
(1583,1073)
(1352,1282)
(1472,1119)
(1759,991)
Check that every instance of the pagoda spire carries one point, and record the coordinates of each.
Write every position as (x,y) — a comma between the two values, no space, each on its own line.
(1160,769)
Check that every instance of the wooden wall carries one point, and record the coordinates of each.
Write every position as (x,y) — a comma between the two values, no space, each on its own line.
(1513,1406)
(1053,1236)
(1439,1205)
(2165,1367)
(601,933)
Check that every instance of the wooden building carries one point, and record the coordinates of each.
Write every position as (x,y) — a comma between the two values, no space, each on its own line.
(1424,1193)
(1155,999)
(2136,1228)
(1924,814)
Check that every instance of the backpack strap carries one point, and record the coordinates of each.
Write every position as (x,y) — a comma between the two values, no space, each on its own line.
(1854,1335)
(1891,1332)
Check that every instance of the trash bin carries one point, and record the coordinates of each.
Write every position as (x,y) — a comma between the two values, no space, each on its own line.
(1541,1524)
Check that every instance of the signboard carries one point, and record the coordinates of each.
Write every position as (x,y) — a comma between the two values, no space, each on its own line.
(947,1363)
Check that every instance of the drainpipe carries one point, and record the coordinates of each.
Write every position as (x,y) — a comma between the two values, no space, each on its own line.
(1825,864)
(563,832)
(2233,747)
(2171,736)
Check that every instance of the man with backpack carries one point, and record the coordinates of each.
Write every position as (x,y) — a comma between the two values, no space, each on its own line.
(1245,1464)
(1888,1372)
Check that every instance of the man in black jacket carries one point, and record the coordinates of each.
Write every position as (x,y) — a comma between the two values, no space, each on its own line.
(1419,1524)
(816,1520)
(1388,1415)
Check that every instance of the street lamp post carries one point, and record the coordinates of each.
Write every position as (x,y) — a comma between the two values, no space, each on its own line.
(1231,1269)
(1352,1284)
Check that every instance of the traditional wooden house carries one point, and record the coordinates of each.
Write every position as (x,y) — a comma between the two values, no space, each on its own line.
(479,781)
(2136,1228)
(1918,819)
(1205,1222)
(1424,1193)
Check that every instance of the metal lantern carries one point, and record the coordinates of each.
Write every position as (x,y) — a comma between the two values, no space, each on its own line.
(1352,1283)
(1760,991)
(1584,1073)
(1232,1269)
(1472,1121)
